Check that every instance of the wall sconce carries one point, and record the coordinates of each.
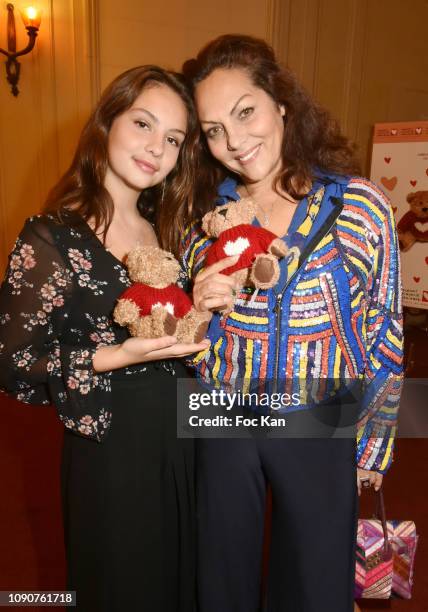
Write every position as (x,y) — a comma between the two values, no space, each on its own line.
(31,18)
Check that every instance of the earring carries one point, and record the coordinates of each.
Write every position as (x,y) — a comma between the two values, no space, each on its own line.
(163,190)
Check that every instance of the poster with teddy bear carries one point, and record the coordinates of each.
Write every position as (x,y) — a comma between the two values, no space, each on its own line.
(400,167)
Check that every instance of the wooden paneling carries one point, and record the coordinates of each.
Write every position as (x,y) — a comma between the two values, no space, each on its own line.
(365,61)
(82,46)
(39,128)
(168,32)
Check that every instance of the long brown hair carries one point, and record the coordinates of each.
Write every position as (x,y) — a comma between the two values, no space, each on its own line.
(82,186)
(312,138)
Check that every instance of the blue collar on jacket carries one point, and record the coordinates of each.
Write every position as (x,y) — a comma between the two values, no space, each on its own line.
(334,185)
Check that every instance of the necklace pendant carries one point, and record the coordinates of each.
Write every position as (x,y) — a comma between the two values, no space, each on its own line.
(266,216)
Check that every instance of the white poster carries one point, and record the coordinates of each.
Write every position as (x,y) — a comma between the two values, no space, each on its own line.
(400,167)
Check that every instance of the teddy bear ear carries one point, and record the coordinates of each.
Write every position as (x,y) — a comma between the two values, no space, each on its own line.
(131,256)
(206,220)
(410,197)
(248,207)
(251,207)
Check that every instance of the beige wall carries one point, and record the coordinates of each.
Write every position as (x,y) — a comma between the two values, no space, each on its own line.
(82,46)
(167,32)
(39,128)
(366,60)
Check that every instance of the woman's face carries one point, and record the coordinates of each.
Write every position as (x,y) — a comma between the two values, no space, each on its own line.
(243,125)
(144,142)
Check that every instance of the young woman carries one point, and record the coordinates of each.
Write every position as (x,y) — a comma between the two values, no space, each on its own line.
(334,314)
(127,481)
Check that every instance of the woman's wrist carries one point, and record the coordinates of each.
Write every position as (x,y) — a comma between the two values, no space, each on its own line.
(108,358)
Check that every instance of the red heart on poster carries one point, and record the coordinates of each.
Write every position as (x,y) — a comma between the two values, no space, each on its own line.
(426,260)
(416,279)
(387,159)
(394,208)
(413,183)
(389,183)
(425,296)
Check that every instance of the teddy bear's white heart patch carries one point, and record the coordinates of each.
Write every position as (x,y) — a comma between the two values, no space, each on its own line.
(168,306)
(236,247)
(422,226)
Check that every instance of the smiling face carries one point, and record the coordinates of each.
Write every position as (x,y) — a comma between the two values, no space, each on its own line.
(243,125)
(145,140)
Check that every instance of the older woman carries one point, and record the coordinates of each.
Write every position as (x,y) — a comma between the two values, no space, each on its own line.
(334,314)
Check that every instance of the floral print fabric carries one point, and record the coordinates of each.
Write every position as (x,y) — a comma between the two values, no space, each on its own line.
(56,303)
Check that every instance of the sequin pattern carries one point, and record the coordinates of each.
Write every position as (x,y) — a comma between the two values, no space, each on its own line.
(341,314)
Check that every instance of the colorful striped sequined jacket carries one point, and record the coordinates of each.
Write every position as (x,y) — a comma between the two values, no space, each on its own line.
(334,314)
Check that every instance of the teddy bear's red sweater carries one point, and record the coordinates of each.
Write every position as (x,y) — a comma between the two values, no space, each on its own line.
(408,223)
(174,299)
(244,240)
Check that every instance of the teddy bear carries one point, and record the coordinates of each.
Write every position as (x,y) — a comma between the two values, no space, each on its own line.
(154,306)
(413,225)
(259,249)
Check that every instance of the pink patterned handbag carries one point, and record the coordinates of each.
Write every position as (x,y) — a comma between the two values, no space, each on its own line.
(385,556)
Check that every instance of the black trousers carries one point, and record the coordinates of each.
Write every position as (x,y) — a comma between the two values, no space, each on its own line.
(314,518)
(129,513)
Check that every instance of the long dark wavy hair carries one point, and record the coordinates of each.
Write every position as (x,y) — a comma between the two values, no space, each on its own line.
(82,187)
(312,138)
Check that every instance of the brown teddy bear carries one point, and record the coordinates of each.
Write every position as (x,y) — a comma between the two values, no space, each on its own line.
(259,249)
(413,226)
(154,305)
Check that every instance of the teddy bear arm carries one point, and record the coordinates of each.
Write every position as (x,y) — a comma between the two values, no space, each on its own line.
(278,248)
(126,312)
(265,271)
(406,222)
(193,326)
(407,240)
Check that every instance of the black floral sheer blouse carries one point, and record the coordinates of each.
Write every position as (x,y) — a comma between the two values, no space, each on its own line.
(56,306)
